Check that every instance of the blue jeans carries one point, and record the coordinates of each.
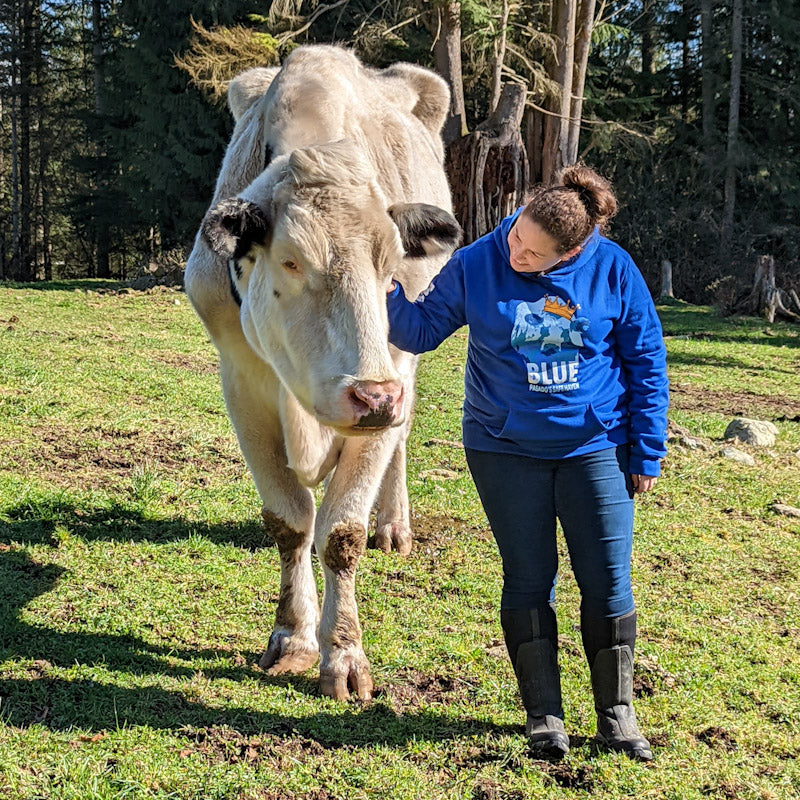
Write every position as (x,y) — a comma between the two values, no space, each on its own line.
(592,496)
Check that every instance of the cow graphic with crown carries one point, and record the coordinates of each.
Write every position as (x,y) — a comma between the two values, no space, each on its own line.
(548,326)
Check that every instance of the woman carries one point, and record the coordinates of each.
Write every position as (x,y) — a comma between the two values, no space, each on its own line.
(564,417)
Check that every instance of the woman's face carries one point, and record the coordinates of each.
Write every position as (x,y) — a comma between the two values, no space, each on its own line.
(531,249)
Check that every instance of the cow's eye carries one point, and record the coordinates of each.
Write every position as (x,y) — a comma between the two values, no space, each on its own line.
(289,264)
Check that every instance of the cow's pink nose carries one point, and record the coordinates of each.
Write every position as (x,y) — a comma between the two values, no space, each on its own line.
(376,404)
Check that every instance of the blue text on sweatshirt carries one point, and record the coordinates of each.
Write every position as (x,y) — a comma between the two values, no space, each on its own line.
(558,364)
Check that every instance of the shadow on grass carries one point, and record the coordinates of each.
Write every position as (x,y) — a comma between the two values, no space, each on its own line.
(41,697)
(35,521)
(22,579)
(61,705)
(703,323)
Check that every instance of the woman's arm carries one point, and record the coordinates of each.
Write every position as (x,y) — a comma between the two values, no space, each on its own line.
(640,347)
(423,325)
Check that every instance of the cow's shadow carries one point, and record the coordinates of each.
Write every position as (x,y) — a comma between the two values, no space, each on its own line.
(37,657)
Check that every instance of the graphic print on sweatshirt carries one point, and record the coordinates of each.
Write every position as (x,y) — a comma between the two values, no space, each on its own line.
(547,333)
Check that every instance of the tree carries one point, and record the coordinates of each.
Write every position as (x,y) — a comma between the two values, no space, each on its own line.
(731,166)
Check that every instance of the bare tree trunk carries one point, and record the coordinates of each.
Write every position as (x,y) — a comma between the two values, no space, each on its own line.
(733,131)
(24,269)
(688,21)
(500,55)
(648,66)
(556,127)
(488,168)
(583,43)
(708,81)
(447,55)
(666,278)
(102,244)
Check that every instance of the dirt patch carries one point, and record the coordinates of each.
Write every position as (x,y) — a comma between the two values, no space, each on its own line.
(732,403)
(579,777)
(223,744)
(717,738)
(650,678)
(729,789)
(438,529)
(414,689)
(96,454)
(487,789)
(192,363)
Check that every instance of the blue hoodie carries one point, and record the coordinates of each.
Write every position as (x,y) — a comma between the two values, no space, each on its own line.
(558,364)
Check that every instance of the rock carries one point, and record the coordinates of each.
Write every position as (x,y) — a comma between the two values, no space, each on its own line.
(786,511)
(737,455)
(751,431)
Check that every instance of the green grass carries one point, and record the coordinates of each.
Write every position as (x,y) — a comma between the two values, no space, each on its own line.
(137,591)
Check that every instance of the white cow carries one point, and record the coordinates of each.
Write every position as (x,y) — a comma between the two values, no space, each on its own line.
(332,183)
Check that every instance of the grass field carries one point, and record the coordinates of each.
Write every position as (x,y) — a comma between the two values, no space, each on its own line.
(137,590)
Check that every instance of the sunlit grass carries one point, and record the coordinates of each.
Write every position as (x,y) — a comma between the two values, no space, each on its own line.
(137,589)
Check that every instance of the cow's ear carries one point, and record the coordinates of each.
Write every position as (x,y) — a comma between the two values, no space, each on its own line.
(425,230)
(233,226)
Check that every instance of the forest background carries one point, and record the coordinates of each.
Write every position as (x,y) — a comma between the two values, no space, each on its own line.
(113,121)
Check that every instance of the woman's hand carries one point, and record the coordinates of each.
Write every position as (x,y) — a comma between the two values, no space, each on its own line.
(643,483)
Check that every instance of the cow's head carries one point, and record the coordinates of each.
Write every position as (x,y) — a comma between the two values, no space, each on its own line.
(312,248)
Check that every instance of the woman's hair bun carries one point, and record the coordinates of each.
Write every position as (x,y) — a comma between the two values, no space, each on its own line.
(595,192)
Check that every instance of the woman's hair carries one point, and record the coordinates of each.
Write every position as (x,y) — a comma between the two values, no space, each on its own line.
(569,210)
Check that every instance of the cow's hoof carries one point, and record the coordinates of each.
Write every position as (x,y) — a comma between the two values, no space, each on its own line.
(349,676)
(285,655)
(394,535)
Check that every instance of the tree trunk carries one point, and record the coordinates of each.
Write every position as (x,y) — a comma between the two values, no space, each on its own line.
(708,79)
(500,55)
(766,298)
(731,162)
(688,21)
(23,268)
(556,126)
(447,56)
(102,244)
(488,168)
(583,43)
(666,278)
(648,18)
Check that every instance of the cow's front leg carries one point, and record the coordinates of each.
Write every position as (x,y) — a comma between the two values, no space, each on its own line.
(250,389)
(393,525)
(292,645)
(341,538)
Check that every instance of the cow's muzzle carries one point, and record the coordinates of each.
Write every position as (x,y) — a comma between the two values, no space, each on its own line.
(376,404)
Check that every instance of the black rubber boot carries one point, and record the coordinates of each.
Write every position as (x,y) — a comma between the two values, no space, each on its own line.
(531,638)
(609,647)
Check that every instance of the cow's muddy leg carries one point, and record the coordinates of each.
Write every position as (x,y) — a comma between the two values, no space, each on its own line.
(393,527)
(250,390)
(341,537)
(344,666)
(293,644)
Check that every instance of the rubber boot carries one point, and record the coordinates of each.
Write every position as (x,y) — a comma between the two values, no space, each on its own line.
(531,638)
(609,647)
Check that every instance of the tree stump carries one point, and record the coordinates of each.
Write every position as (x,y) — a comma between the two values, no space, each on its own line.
(666,278)
(765,297)
(488,168)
